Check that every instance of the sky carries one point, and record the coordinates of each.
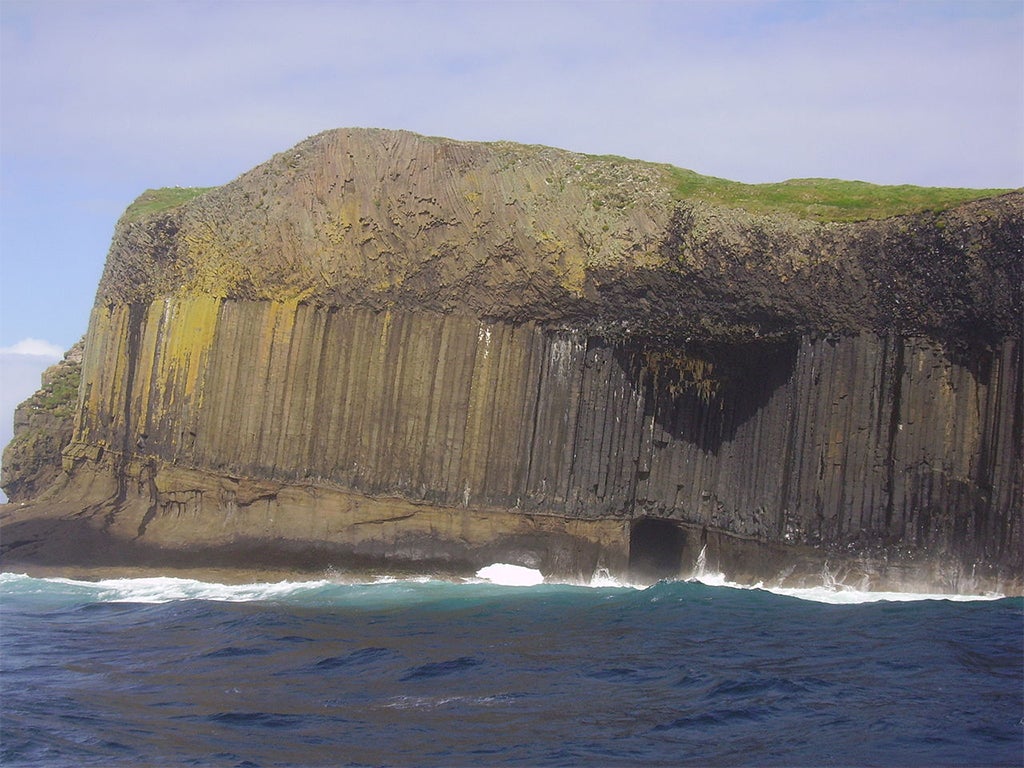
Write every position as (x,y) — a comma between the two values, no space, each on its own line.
(100,100)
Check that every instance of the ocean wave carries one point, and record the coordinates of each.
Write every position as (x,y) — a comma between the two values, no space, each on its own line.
(838,594)
(494,581)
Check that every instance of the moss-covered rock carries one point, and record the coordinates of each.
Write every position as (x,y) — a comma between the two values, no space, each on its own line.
(43,426)
(390,220)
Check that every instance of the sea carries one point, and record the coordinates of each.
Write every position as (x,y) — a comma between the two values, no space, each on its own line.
(504,669)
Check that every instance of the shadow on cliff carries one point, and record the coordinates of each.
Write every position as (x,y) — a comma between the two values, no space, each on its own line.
(705,394)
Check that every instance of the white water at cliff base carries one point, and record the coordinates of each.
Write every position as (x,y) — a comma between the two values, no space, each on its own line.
(161,589)
(510,575)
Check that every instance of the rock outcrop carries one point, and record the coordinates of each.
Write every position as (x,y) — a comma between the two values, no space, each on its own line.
(43,426)
(381,347)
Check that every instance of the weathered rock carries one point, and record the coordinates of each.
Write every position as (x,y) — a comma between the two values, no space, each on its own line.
(43,426)
(382,347)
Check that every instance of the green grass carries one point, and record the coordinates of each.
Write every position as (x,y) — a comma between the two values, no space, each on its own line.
(157,200)
(814,199)
(60,396)
(821,199)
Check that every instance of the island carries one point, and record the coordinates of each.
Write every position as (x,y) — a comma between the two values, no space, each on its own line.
(386,350)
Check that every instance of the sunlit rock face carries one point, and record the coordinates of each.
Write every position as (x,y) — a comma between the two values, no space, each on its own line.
(385,348)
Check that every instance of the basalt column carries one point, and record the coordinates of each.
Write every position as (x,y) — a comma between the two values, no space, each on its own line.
(868,444)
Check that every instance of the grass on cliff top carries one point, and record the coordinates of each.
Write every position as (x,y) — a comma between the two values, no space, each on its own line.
(157,200)
(59,395)
(822,199)
(815,199)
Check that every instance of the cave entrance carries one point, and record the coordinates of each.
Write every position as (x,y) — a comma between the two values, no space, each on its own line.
(655,549)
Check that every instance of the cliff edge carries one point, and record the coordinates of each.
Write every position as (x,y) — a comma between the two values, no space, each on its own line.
(380,347)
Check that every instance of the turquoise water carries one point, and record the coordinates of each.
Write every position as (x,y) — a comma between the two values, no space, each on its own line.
(166,672)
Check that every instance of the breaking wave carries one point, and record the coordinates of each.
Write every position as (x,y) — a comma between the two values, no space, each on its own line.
(495,579)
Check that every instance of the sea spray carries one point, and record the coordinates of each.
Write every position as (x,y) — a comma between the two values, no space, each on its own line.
(510,575)
(700,567)
(168,589)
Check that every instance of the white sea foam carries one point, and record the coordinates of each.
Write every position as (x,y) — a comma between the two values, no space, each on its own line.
(837,594)
(388,579)
(510,575)
(167,589)
(603,579)
(842,596)
(163,589)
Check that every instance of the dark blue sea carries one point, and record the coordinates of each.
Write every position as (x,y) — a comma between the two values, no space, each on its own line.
(172,672)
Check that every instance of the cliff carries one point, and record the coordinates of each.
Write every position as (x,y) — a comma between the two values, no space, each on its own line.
(385,348)
(43,425)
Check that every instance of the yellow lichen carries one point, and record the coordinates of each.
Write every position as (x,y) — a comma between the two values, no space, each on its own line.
(680,372)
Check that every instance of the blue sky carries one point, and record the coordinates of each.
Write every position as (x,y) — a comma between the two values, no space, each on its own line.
(101,100)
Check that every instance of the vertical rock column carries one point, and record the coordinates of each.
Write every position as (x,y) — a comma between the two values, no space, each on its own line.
(144,375)
(876,443)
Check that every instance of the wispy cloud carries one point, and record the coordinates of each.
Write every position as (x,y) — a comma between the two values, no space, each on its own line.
(32,348)
(926,93)
(104,98)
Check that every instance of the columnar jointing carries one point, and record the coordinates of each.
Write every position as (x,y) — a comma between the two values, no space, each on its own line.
(883,444)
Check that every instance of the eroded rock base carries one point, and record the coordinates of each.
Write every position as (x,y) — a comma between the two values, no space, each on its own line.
(174,519)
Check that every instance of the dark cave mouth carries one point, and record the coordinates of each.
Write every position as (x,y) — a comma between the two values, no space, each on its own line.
(655,549)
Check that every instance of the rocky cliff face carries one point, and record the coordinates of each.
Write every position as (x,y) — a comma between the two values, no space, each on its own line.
(43,425)
(384,347)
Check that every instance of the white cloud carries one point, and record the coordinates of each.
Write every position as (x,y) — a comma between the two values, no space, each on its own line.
(33,348)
